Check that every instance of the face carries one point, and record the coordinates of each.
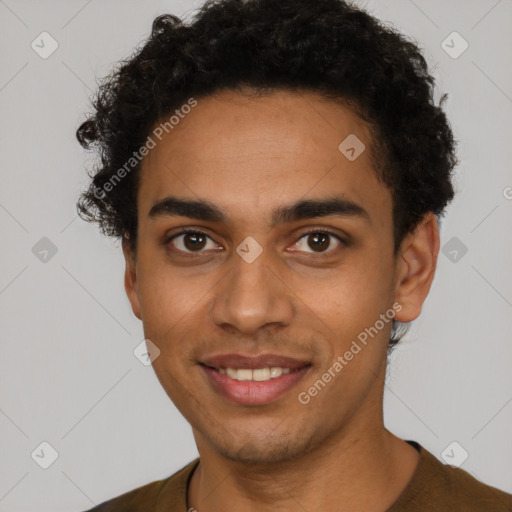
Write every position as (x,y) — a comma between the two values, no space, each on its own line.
(288,259)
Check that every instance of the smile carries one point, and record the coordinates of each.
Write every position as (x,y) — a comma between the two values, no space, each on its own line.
(253,386)
(258,374)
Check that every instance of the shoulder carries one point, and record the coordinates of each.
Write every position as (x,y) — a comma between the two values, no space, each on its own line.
(147,497)
(437,486)
(469,490)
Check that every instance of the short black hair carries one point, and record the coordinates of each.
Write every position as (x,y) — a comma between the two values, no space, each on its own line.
(329,47)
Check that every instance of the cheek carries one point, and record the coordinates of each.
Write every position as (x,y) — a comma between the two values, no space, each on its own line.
(352,302)
(174,309)
(358,290)
(165,297)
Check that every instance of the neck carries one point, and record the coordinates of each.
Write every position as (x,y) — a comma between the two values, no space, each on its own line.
(348,472)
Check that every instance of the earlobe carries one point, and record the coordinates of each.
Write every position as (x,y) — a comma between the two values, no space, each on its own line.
(416,267)
(130,278)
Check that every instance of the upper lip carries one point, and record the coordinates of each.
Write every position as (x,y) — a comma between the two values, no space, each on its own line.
(251,362)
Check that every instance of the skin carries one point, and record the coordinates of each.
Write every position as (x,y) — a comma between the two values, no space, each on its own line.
(249,156)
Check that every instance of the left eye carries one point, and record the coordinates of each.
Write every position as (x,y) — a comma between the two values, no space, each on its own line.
(318,241)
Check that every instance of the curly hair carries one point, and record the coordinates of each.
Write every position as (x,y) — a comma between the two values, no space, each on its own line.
(329,47)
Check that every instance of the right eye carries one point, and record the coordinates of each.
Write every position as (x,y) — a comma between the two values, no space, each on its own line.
(189,241)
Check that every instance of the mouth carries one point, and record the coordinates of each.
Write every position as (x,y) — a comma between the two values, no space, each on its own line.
(253,380)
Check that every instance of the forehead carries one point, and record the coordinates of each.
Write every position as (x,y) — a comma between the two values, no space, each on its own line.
(255,153)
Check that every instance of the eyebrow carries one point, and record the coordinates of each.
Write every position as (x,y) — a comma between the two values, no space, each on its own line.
(302,209)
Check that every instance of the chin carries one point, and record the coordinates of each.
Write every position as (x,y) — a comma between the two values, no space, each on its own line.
(257,449)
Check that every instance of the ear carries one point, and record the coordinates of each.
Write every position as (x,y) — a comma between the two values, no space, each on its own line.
(416,265)
(130,277)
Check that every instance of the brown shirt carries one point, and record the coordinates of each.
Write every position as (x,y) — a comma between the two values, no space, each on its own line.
(434,487)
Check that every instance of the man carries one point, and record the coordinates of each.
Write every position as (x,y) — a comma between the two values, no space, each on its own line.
(276,171)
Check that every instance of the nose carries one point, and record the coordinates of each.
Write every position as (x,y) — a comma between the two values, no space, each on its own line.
(252,296)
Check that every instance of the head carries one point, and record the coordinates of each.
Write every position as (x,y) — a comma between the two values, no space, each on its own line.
(304,136)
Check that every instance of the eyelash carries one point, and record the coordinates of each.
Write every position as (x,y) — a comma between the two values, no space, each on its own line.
(185,231)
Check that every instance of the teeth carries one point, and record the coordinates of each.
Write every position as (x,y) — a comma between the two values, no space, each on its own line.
(276,372)
(244,374)
(261,374)
(258,374)
(231,373)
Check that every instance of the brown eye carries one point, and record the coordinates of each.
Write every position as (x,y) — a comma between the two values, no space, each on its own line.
(318,241)
(191,241)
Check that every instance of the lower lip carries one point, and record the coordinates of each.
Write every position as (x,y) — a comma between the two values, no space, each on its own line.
(249,392)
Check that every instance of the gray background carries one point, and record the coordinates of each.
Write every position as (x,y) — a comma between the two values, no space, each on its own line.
(67,370)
